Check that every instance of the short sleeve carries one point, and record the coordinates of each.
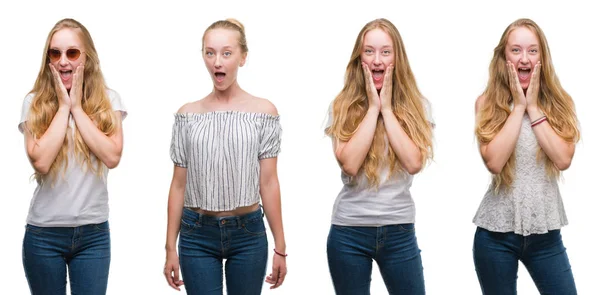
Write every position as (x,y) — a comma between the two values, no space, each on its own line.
(428,112)
(25,110)
(270,139)
(117,103)
(179,141)
(328,119)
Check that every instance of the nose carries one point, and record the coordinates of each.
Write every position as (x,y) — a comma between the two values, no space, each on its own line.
(377,60)
(218,62)
(63,61)
(524,58)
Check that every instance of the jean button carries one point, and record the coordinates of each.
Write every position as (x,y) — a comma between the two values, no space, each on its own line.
(223,221)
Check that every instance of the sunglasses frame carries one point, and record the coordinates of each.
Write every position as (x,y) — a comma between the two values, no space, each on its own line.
(66,52)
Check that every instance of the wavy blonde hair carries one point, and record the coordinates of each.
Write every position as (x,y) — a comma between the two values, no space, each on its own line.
(553,101)
(351,105)
(95,102)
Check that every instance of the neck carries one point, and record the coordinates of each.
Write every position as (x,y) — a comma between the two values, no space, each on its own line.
(233,92)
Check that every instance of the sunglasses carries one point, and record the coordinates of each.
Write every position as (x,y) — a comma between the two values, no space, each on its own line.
(72,54)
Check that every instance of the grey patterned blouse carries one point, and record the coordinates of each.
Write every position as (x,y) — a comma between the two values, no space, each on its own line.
(221,151)
(533,204)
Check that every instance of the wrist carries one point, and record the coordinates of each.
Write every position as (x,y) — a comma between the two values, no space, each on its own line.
(76,109)
(280,253)
(374,110)
(64,108)
(519,108)
(387,112)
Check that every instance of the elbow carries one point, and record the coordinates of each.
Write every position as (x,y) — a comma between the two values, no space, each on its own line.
(113,161)
(41,167)
(415,167)
(563,165)
(349,170)
(493,167)
(413,170)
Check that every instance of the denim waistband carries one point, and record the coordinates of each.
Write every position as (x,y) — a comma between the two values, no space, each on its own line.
(225,221)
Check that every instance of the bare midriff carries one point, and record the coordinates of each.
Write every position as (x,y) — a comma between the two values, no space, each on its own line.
(237,212)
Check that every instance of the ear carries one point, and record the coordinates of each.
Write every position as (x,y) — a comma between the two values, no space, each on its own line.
(243,61)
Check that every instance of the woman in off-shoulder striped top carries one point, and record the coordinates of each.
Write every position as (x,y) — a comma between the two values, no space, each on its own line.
(225,149)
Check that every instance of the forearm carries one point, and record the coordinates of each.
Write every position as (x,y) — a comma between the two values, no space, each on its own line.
(43,151)
(352,154)
(557,149)
(174,213)
(271,200)
(405,149)
(102,146)
(497,152)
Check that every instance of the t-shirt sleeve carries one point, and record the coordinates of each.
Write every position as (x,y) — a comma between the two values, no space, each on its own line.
(117,103)
(25,111)
(428,112)
(270,140)
(179,141)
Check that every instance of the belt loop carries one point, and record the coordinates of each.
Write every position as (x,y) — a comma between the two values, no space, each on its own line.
(239,222)
(260,206)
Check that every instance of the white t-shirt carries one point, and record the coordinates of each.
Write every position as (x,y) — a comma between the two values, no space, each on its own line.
(78,197)
(357,204)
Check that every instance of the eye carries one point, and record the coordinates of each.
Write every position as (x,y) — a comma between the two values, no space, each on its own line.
(387,52)
(368,51)
(515,50)
(227,53)
(209,53)
(533,50)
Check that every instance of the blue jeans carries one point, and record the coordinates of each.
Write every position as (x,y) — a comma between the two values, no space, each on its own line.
(351,249)
(48,252)
(204,241)
(497,258)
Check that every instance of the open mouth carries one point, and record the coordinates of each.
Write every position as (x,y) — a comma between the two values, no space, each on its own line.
(220,76)
(65,75)
(524,73)
(378,74)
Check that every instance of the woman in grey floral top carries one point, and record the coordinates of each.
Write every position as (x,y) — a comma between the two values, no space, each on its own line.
(527,130)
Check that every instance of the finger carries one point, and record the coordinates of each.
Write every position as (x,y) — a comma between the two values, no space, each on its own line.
(280,279)
(387,80)
(172,282)
(54,73)
(368,78)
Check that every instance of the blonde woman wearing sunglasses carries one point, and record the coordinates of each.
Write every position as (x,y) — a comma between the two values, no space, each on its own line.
(72,127)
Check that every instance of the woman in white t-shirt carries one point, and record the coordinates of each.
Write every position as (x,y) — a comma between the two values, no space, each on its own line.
(382,135)
(72,127)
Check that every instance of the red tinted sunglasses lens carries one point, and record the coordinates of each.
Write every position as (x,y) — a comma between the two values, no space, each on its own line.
(53,54)
(72,54)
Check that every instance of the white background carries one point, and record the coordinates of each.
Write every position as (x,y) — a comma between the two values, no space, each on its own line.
(150,54)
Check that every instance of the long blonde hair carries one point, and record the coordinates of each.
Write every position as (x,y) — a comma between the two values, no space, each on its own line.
(95,102)
(351,105)
(553,101)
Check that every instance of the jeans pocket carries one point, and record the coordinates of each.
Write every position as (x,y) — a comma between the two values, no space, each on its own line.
(406,227)
(255,227)
(102,227)
(186,226)
(33,228)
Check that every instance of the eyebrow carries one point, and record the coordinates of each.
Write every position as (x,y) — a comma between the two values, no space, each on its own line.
(384,47)
(224,47)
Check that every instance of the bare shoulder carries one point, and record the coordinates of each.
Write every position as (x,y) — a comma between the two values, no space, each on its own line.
(193,107)
(263,105)
(479,103)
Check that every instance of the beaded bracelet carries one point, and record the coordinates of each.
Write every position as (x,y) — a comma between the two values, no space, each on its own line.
(539,121)
(280,254)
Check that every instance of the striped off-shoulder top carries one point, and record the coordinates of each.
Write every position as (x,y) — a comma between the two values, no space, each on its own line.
(221,151)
